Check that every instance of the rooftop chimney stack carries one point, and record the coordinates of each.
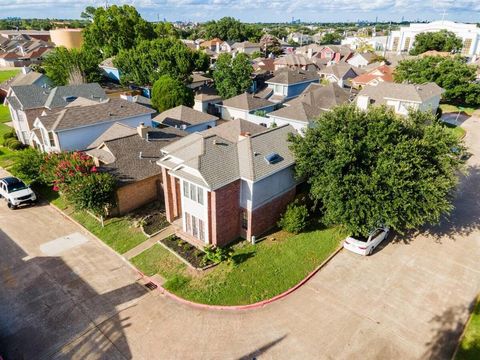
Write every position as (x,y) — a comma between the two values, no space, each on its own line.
(142,130)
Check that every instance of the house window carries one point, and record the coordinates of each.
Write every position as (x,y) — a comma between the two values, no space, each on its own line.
(51,138)
(407,44)
(201,230)
(395,44)
(185,189)
(244,220)
(193,192)
(188,223)
(194,227)
(200,196)
(467,44)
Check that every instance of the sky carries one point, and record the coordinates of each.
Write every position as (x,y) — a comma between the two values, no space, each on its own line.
(259,10)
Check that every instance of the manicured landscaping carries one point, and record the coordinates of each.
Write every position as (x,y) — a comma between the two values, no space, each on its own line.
(7,74)
(4,114)
(7,156)
(448,108)
(254,273)
(187,251)
(155,222)
(470,344)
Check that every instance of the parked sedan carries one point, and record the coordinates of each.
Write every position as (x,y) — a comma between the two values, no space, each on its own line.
(364,245)
(16,192)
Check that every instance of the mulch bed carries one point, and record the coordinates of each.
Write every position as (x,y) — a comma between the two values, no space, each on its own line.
(190,253)
(154,223)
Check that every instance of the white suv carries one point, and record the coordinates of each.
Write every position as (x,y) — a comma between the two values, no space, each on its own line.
(364,245)
(16,193)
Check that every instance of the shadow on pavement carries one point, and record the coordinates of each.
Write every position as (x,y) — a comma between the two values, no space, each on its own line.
(48,311)
(447,329)
(253,355)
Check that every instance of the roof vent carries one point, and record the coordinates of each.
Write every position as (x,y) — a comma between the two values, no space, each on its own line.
(140,155)
(273,158)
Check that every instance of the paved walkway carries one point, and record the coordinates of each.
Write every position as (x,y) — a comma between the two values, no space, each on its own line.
(137,250)
(407,301)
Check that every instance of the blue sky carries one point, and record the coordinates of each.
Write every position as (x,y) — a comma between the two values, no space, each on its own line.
(259,10)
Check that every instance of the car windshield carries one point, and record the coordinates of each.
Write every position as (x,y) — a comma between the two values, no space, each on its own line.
(16,186)
(360,238)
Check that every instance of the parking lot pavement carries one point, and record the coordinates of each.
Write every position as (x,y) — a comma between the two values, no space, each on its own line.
(407,301)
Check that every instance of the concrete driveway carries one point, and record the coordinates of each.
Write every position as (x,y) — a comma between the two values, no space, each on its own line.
(407,301)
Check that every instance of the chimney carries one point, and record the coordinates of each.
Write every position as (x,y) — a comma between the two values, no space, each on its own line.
(126,96)
(310,53)
(142,130)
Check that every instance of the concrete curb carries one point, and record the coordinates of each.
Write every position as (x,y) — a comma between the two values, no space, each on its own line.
(178,299)
(465,327)
(95,237)
(256,305)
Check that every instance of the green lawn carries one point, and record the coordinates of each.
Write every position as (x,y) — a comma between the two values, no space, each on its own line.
(458,131)
(7,156)
(257,272)
(448,108)
(4,114)
(470,345)
(7,74)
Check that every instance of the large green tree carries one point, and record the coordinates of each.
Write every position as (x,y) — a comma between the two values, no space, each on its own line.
(452,74)
(331,38)
(232,75)
(168,92)
(440,41)
(73,66)
(115,28)
(148,61)
(367,168)
(231,29)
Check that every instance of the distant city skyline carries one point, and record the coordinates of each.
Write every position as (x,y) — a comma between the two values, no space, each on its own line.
(249,10)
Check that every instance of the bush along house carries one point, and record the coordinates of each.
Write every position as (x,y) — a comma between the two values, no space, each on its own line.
(231,181)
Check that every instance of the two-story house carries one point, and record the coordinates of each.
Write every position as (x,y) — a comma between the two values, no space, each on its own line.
(78,124)
(234,180)
(401,97)
(238,107)
(289,83)
(340,74)
(27,102)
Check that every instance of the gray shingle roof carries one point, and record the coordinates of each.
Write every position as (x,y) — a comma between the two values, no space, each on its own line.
(407,92)
(78,116)
(288,76)
(341,70)
(247,101)
(121,155)
(183,115)
(220,161)
(115,131)
(33,96)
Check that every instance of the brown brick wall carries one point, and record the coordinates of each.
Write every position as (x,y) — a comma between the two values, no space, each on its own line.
(266,217)
(225,214)
(168,196)
(132,196)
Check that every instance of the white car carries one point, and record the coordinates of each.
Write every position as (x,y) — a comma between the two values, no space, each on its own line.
(16,193)
(364,245)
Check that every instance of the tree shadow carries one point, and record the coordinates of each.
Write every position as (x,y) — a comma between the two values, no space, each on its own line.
(465,217)
(240,258)
(447,329)
(47,310)
(254,354)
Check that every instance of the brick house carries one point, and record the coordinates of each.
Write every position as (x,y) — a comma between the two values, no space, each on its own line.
(130,154)
(231,181)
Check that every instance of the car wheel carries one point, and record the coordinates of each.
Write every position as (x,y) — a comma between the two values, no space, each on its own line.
(11,206)
(371,250)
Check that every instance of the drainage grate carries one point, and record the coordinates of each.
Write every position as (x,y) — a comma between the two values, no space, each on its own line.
(151,286)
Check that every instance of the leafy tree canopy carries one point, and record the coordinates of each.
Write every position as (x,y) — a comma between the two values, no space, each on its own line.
(232,75)
(366,168)
(73,66)
(168,92)
(148,61)
(452,74)
(230,29)
(331,38)
(115,28)
(440,41)
(272,45)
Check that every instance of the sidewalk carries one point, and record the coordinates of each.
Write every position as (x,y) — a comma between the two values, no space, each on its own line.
(169,230)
